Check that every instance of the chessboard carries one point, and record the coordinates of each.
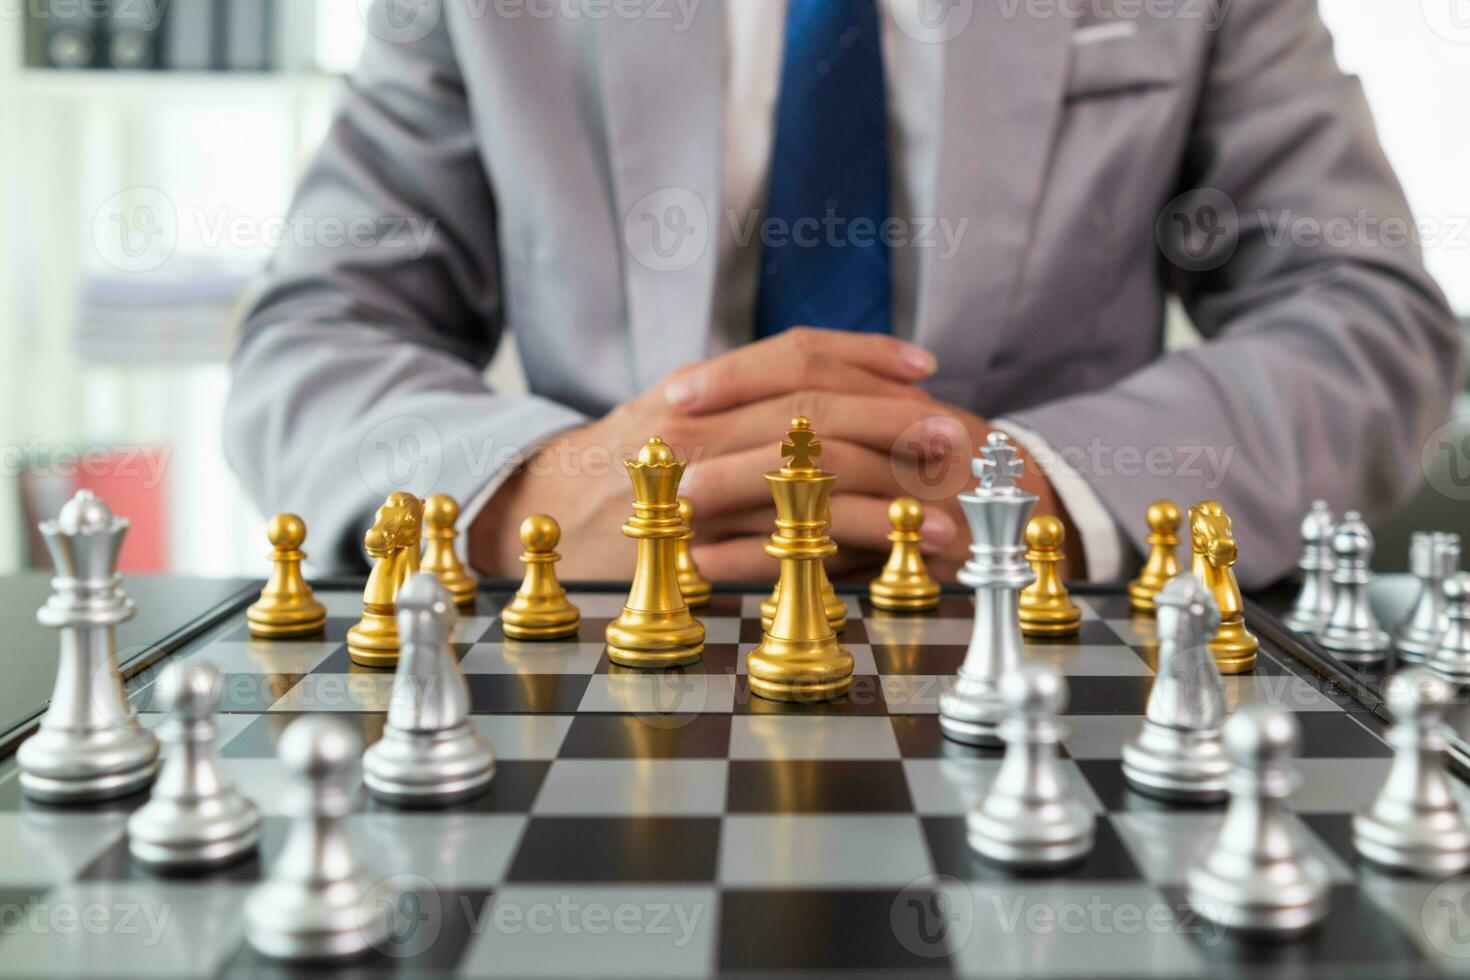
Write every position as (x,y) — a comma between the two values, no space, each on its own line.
(648,824)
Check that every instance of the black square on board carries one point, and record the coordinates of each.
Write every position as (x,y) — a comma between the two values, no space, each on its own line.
(817,786)
(609,736)
(618,849)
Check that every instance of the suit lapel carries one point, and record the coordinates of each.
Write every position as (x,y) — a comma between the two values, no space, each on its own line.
(662,103)
(1004,79)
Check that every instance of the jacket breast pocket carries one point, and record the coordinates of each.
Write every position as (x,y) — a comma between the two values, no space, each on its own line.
(1119,57)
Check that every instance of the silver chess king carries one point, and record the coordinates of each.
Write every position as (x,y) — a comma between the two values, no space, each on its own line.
(997,512)
(90,746)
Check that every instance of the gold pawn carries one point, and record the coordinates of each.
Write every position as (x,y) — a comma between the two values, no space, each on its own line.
(286,606)
(1212,543)
(832,605)
(1046,608)
(905,585)
(696,587)
(441,513)
(655,628)
(800,659)
(1162,564)
(540,609)
(393,541)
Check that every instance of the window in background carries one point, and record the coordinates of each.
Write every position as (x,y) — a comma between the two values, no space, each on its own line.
(1414,60)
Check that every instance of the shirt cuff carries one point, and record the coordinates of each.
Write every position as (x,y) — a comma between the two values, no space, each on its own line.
(1103,543)
(481,499)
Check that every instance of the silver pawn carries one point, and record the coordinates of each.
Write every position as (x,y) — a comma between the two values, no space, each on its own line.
(196,818)
(1029,819)
(428,753)
(1254,878)
(1314,601)
(1414,824)
(997,511)
(90,746)
(316,903)
(1433,558)
(1352,633)
(1451,657)
(1179,754)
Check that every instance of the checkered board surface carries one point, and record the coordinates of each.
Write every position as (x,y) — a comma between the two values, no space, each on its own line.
(647,825)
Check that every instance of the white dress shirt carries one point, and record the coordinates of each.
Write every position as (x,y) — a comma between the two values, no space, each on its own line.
(755,32)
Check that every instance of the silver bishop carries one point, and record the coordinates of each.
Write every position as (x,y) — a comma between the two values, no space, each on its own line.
(428,752)
(1179,754)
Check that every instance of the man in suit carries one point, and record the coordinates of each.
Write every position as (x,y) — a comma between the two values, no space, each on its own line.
(983,205)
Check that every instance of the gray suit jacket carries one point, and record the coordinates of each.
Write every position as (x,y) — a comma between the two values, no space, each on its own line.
(537,148)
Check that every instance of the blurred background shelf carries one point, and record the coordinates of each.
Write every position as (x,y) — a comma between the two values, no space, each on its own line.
(172,85)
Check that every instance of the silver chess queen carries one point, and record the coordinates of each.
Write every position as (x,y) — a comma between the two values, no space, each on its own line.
(90,746)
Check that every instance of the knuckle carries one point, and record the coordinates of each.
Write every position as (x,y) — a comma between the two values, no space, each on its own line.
(807,403)
(803,340)
(808,365)
(679,431)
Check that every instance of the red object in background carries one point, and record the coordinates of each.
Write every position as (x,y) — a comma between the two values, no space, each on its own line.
(134,484)
(132,481)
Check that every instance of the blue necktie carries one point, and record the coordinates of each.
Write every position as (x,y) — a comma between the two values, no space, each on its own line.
(824,262)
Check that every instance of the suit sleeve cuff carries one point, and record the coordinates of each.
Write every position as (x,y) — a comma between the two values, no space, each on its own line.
(555,420)
(1103,543)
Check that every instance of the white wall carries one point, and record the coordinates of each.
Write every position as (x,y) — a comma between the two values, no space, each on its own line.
(1414,59)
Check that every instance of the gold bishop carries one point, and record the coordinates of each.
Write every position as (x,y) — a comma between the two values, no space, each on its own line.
(655,628)
(1212,541)
(905,584)
(799,658)
(1162,563)
(393,541)
(540,609)
(286,606)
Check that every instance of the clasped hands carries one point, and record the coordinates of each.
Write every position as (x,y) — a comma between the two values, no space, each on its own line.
(881,433)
